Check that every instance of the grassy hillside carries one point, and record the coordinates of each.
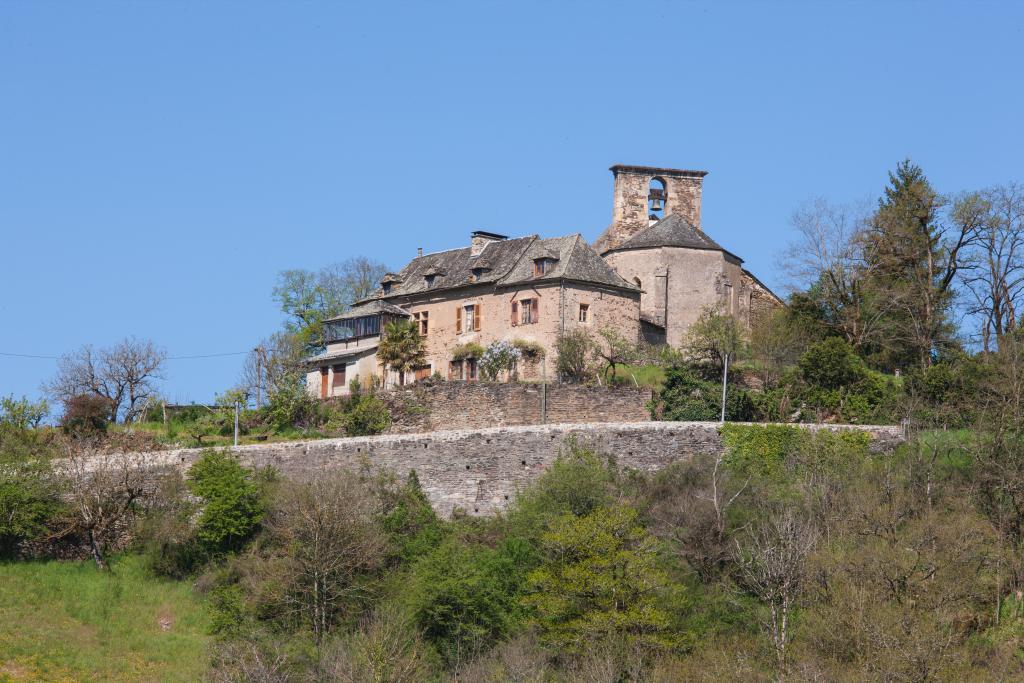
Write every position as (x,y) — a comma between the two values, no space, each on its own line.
(66,621)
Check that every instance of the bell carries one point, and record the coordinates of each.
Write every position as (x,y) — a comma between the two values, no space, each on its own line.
(656,204)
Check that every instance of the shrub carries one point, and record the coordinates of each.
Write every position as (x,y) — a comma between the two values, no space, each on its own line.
(364,414)
(529,350)
(232,509)
(575,350)
(410,521)
(29,495)
(465,598)
(831,364)
(86,414)
(500,356)
(165,532)
(687,397)
(468,350)
(291,406)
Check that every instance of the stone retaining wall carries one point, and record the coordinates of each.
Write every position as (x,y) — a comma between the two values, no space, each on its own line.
(431,406)
(480,470)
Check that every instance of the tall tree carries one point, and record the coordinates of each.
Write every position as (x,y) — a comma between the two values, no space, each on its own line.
(309,297)
(995,282)
(125,374)
(913,256)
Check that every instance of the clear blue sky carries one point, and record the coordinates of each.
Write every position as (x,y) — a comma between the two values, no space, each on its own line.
(160,162)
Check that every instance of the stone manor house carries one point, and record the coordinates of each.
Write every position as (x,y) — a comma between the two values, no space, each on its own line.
(649,276)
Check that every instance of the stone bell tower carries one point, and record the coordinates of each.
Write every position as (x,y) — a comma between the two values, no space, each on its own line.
(645,195)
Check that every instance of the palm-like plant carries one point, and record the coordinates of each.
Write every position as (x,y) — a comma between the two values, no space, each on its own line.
(401,348)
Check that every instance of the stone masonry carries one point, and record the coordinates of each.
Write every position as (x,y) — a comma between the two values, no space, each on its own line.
(430,406)
(630,210)
(480,471)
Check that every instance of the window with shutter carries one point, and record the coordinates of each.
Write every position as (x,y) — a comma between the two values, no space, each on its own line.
(476,318)
(458,320)
(535,310)
(515,313)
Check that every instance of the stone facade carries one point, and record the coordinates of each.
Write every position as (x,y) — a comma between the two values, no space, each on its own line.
(431,406)
(678,284)
(631,210)
(480,471)
(557,311)
(650,275)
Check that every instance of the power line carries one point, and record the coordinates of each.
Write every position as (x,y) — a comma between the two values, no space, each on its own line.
(206,355)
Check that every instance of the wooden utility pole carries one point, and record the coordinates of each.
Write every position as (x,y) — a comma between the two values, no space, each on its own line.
(259,374)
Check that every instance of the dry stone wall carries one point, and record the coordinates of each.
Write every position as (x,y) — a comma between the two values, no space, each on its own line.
(480,470)
(428,406)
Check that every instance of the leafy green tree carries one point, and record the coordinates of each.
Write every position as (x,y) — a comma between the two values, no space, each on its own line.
(713,338)
(309,297)
(600,581)
(401,348)
(231,505)
(22,414)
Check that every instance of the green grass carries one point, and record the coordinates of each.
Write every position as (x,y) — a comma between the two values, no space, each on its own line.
(67,621)
(652,376)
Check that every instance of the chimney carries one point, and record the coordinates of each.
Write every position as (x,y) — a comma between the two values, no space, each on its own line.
(480,239)
(646,194)
(419,251)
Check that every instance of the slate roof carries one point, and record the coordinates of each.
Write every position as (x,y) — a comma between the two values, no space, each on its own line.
(576,260)
(671,231)
(338,355)
(369,308)
(504,262)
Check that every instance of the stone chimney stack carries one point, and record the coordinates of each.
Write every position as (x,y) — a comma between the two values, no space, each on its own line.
(480,239)
(646,194)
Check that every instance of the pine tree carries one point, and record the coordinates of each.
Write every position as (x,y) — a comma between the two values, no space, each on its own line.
(912,262)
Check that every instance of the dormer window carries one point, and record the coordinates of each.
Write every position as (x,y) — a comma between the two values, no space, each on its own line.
(387,281)
(429,279)
(542,266)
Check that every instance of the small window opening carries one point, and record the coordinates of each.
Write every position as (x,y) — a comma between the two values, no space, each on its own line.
(422,322)
(542,266)
(526,312)
(584,313)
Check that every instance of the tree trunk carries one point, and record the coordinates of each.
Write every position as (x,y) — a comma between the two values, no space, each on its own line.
(94,548)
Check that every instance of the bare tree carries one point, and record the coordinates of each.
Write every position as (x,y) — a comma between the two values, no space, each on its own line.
(275,364)
(326,531)
(827,259)
(692,515)
(257,659)
(773,565)
(387,647)
(102,490)
(125,374)
(995,279)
